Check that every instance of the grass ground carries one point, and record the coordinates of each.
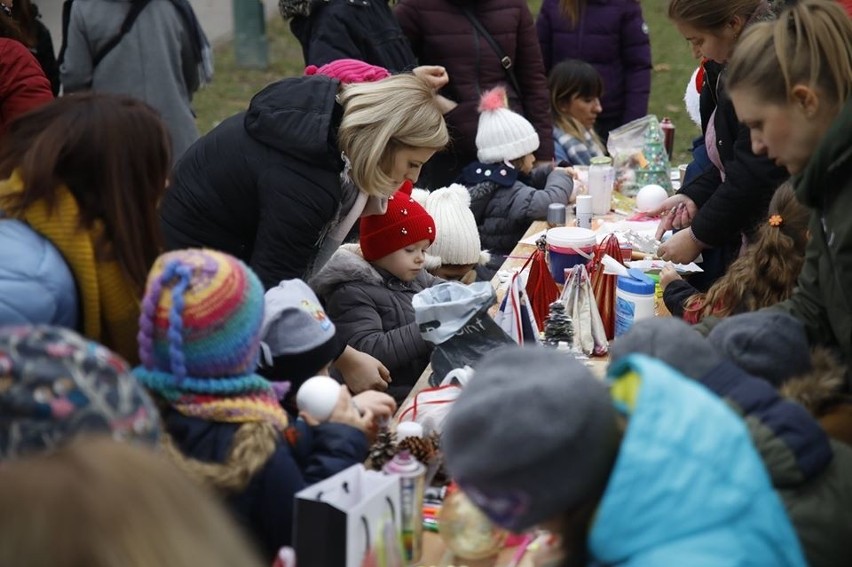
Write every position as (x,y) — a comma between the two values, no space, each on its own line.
(233,87)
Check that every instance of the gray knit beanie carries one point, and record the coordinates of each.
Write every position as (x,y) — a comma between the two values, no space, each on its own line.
(671,340)
(531,436)
(769,344)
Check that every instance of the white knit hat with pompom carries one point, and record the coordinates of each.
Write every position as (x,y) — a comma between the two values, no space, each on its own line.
(456,235)
(502,135)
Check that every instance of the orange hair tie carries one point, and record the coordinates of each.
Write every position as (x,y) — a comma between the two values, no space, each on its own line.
(775,220)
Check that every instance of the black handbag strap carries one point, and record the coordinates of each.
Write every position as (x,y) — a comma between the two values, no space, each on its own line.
(505,60)
(135,8)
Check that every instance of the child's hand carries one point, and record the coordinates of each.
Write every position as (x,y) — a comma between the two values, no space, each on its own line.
(349,414)
(681,248)
(382,405)
(667,275)
(362,372)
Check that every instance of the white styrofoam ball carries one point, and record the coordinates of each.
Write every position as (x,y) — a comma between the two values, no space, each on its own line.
(650,197)
(318,396)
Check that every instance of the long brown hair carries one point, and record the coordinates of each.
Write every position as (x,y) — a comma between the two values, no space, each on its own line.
(104,503)
(10,29)
(810,43)
(113,154)
(25,15)
(767,272)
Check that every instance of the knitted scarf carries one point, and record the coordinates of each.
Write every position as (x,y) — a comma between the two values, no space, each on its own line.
(109,305)
(241,399)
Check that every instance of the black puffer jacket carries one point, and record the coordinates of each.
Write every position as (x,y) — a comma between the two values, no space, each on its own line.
(265,184)
(372,312)
(349,29)
(731,207)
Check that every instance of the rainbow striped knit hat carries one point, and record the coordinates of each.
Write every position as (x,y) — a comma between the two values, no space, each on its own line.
(199,338)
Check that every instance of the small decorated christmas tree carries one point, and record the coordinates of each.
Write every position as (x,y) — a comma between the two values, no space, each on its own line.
(558,326)
(654,170)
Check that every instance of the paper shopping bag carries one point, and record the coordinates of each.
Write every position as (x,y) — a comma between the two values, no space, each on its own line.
(589,335)
(515,314)
(337,521)
(603,284)
(541,288)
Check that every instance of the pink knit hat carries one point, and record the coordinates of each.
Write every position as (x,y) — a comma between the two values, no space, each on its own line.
(349,71)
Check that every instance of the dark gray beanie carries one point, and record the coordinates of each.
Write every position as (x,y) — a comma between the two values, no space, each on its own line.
(532,435)
(769,344)
(671,340)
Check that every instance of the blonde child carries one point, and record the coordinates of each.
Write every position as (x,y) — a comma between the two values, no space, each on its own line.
(507,194)
(367,290)
(575,103)
(457,251)
(199,342)
(764,275)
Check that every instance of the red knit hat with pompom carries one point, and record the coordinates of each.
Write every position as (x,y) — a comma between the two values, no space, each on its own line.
(404,223)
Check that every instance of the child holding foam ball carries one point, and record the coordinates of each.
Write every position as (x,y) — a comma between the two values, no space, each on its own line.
(199,343)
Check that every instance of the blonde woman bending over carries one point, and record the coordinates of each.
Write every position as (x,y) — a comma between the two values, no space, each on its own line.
(279,185)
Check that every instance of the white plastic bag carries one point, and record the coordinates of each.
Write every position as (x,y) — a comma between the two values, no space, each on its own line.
(429,407)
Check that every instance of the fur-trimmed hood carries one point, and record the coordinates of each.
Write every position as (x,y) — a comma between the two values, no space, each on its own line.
(348,265)
(819,388)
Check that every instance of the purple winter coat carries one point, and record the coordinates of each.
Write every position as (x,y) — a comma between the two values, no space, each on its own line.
(440,34)
(613,37)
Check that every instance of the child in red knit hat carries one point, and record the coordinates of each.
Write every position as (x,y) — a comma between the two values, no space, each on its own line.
(368,289)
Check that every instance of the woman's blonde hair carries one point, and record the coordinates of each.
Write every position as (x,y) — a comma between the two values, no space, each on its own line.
(810,43)
(767,272)
(382,118)
(710,15)
(100,503)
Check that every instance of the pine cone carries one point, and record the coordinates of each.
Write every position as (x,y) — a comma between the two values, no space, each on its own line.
(382,450)
(421,448)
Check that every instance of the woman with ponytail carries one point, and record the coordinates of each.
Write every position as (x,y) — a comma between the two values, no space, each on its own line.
(199,342)
(791,82)
(764,275)
(714,210)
